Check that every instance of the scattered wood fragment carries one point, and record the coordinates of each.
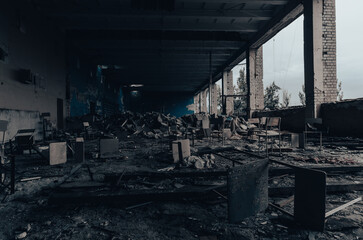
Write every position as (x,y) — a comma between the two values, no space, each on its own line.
(331,212)
(285,201)
(30,179)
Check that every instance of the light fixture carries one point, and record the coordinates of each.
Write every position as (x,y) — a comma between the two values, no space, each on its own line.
(136,85)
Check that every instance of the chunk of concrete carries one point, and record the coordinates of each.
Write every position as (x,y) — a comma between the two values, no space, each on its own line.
(185,149)
(57,153)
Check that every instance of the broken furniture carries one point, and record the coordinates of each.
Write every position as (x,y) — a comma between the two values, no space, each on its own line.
(247,190)
(7,178)
(57,153)
(79,151)
(271,131)
(180,149)
(3,128)
(217,125)
(253,126)
(47,126)
(310,197)
(24,140)
(312,126)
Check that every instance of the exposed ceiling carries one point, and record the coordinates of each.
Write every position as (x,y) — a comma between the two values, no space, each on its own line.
(168,45)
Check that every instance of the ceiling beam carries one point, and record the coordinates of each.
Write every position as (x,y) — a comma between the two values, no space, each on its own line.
(93,24)
(156,35)
(116,12)
(155,44)
(284,17)
(158,52)
(270,2)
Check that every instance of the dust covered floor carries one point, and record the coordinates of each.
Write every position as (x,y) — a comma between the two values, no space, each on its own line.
(29,214)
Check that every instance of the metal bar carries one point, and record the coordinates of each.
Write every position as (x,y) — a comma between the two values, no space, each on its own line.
(12,188)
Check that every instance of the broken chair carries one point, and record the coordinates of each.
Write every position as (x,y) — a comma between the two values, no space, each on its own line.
(313,126)
(271,130)
(24,140)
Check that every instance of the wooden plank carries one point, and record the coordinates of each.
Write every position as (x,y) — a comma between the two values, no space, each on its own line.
(331,212)
(133,196)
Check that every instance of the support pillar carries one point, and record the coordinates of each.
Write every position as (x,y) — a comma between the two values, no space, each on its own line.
(255,97)
(196,103)
(319,55)
(228,90)
(214,99)
(203,101)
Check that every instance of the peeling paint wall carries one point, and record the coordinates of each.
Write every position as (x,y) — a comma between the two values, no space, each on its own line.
(18,119)
(35,44)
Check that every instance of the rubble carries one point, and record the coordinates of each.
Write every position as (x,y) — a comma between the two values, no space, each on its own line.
(206,161)
(158,191)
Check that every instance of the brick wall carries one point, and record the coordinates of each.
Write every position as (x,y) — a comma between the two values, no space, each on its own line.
(256,79)
(329,51)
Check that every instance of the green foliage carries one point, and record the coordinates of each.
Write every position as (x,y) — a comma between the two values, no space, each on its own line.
(285,99)
(271,98)
(302,95)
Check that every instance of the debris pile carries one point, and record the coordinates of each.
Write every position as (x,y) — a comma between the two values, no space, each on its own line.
(206,161)
(151,125)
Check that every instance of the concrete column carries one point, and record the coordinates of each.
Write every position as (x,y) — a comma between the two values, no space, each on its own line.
(196,103)
(228,90)
(319,54)
(214,99)
(203,101)
(255,98)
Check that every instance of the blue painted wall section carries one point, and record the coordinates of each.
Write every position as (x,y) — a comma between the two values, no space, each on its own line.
(87,86)
(174,103)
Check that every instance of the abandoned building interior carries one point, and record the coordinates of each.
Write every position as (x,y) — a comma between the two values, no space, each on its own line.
(118,121)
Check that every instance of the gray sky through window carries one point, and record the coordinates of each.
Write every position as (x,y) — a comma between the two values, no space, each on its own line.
(284,56)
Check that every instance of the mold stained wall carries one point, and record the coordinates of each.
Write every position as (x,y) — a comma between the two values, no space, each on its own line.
(34,43)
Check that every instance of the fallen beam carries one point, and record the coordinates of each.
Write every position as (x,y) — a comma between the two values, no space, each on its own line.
(133,196)
(114,177)
(273,171)
(332,188)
